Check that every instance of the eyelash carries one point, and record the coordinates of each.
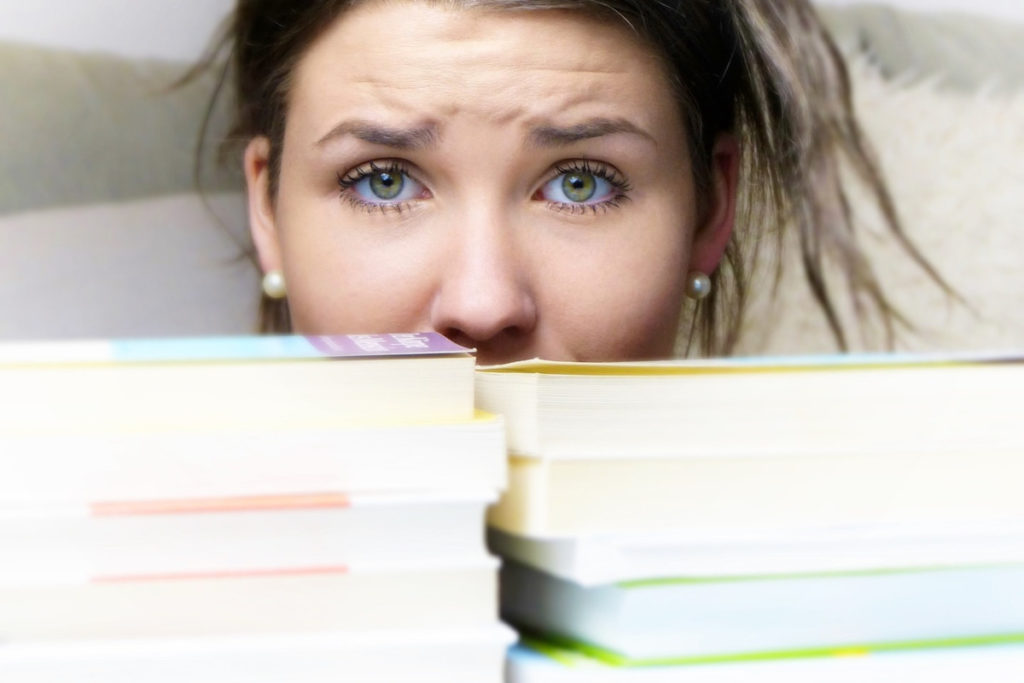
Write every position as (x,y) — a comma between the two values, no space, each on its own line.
(620,186)
(348,180)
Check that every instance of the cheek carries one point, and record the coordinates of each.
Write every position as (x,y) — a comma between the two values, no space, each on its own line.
(623,300)
(644,276)
(345,297)
(345,281)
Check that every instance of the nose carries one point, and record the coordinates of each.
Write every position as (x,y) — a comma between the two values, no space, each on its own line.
(485,299)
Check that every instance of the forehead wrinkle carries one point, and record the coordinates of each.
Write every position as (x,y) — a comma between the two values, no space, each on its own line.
(491,104)
(498,86)
(481,56)
(486,79)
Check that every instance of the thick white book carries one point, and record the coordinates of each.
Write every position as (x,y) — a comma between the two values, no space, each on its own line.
(596,559)
(643,448)
(764,406)
(233,382)
(700,620)
(84,466)
(260,534)
(637,495)
(296,600)
(429,655)
(990,664)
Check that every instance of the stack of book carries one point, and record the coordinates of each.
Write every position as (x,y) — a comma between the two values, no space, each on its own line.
(247,509)
(754,519)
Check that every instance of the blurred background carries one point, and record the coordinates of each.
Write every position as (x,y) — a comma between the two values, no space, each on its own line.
(104,234)
(133,28)
(144,28)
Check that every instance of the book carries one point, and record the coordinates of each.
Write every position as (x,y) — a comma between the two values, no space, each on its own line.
(233,382)
(125,463)
(436,655)
(237,535)
(247,509)
(688,517)
(695,620)
(803,405)
(292,600)
(563,497)
(537,662)
(608,558)
(778,443)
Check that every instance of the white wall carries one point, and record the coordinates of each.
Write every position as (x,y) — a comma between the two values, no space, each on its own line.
(179,29)
(172,29)
(1007,9)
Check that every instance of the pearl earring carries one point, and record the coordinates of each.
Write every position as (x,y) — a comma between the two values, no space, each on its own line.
(698,285)
(273,284)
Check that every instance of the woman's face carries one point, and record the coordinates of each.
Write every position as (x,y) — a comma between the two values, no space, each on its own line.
(518,181)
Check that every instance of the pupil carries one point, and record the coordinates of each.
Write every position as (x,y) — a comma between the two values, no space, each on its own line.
(386,185)
(579,187)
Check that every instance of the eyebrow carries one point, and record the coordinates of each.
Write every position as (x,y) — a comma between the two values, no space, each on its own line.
(397,138)
(553,136)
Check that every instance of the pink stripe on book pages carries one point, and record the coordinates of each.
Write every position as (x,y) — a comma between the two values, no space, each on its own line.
(234,574)
(210,505)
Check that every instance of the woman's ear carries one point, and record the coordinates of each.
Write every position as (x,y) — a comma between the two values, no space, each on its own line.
(262,224)
(712,236)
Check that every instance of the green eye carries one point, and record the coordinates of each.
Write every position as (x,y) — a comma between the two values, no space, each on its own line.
(386,185)
(579,187)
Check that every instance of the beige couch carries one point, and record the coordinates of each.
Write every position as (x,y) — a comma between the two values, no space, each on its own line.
(941,96)
(102,233)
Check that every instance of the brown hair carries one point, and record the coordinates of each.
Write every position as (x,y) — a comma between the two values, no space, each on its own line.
(765,70)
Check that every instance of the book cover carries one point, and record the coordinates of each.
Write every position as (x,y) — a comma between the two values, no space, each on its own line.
(226,348)
(534,661)
(233,382)
(608,558)
(696,620)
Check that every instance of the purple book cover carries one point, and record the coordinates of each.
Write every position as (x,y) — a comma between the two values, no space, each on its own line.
(191,349)
(361,345)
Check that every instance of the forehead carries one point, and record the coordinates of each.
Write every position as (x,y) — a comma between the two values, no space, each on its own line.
(426,60)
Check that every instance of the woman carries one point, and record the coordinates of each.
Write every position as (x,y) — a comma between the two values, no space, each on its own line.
(548,178)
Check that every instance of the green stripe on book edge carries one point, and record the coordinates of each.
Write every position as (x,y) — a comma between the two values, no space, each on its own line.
(553,642)
(695,580)
(559,654)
